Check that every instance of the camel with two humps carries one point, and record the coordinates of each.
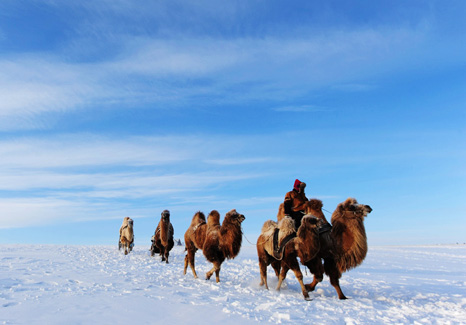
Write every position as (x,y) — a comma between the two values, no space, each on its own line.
(290,244)
(342,247)
(194,239)
(126,235)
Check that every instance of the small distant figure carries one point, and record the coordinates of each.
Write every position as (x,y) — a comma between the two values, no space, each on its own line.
(126,235)
(178,242)
(162,241)
(294,202)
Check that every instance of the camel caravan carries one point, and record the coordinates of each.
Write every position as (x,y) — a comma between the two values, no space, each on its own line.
(300,235)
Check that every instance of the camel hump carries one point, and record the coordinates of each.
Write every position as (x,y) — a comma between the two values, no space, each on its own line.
(269,227)
(277,235)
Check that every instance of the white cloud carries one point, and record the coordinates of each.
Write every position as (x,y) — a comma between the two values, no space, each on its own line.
(33,84)
(300,109)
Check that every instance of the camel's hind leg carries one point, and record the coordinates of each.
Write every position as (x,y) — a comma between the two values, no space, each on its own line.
(276,265)
(263,271)
(185,264)
(282,276)
(189,260)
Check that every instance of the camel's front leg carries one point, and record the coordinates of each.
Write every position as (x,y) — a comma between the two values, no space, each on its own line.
(209,274)
(215,269)
(299,276)
(317,269)
(334,274)
(217,273)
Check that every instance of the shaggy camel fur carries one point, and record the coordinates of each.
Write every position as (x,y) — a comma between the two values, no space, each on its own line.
(343,247)
(126,235)
(162,241)
(194,238)
(305,246)
(222,241)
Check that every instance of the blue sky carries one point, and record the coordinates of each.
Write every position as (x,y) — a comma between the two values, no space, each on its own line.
(117,108)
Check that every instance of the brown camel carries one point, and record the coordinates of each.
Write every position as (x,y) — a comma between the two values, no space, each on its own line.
(194,238)
(126,235)
(342,247)
(222,242)
(162,241)
(303,244)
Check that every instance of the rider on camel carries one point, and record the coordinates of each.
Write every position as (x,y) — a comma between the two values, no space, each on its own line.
(294,202)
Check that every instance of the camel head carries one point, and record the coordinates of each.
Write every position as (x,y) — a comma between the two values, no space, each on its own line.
(309,224)
(166,216)
(234,217)
(351,209)
(314,207)
(127,221)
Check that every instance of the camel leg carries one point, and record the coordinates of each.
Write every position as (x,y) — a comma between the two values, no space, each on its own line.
(167,253)
(217,273)
(317,269)
(185,264)
(191,255)
(276,267)
(299,275)
(162,253)
(209,274)
(282,276)
(263,271)
(334,274)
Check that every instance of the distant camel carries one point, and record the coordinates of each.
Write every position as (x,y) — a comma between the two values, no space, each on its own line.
(126,235)
(162,241)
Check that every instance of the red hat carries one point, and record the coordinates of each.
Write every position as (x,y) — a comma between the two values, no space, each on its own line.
(296,184)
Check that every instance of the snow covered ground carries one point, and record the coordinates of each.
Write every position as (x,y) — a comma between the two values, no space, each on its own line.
(49,284)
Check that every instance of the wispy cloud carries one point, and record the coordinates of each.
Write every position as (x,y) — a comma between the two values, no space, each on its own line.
(37,83)
(301,109)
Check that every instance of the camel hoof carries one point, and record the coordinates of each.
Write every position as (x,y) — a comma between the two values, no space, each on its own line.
(307,299)
(309,288)
(342,298)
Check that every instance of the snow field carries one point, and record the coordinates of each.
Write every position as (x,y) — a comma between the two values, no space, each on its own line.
(57,284)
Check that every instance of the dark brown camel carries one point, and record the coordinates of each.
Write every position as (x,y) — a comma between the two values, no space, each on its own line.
(304,245)
(162,241)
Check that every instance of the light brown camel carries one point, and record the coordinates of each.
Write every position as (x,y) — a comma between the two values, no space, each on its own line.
(222,242)
(126,235)
(162,241)
(194,238)
(343,247)
(283,255)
